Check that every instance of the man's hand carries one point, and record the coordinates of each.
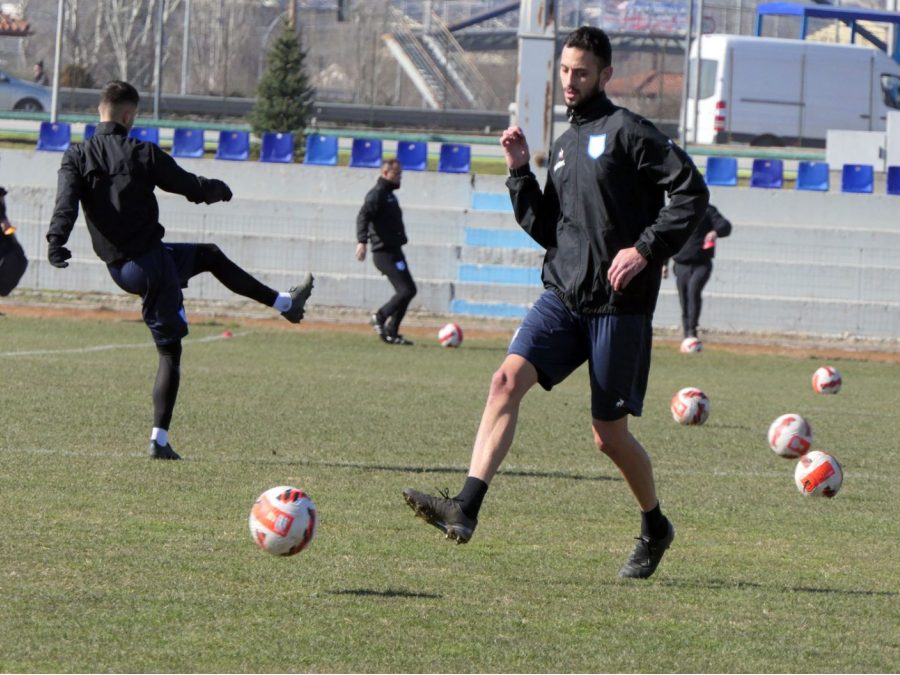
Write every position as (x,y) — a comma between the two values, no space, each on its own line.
(515,148)
(625,267)
(58,254)
(360,251)
(217,191)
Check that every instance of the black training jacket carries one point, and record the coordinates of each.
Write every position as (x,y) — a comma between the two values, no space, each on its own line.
(607,179)
(380,220)
(693,253)
(113,177)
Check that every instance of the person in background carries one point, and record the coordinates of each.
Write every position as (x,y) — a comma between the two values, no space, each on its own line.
(40,75)
(693,266)
(113,177)
(380,224)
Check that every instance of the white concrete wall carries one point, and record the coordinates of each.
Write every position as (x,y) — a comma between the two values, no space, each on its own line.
(819,263)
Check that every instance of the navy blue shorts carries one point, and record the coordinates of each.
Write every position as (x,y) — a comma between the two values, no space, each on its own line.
(158,277)
(556,341)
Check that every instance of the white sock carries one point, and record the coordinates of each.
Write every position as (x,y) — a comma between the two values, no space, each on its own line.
(283,302)
(161,436)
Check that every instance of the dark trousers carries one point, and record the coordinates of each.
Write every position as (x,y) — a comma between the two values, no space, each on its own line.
(392,264)
(690,280)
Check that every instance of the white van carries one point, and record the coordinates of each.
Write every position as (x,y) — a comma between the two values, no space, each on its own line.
(774,92)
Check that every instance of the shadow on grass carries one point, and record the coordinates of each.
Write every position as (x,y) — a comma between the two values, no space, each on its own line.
(737,584)
(520,473)
(390,593)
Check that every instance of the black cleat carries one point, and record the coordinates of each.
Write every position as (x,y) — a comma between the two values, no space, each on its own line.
(399,340)
(442,512)
(647,553)
(299,295)
(158,451)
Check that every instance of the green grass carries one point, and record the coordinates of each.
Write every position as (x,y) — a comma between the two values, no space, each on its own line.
(111,562)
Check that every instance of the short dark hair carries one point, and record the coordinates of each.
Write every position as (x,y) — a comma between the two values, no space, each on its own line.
(593,40)
(115,93)
(391,163)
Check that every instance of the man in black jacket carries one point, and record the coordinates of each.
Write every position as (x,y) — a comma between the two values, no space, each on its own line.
(603,220)
(113,177)
(693,266)
(380,223)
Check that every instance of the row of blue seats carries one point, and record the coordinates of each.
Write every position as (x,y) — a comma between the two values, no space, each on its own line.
(277,147)
(769,173)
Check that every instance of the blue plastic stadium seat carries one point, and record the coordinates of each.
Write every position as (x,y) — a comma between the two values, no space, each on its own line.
(233,146)
(54,136)
(322,150)
(413,156)
(89,131)
(721,171)
(893,180)
(366,153)
(149,134)
(277,147)
(858,178)
(767,173)
(813,176)
(454,158)
(188,143)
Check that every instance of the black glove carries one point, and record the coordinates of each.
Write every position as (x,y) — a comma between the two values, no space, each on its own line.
(57,254)
(217,191)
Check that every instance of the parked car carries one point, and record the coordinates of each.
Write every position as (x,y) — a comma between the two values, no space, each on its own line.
(16,94)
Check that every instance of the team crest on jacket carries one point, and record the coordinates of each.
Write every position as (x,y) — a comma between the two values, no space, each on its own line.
(596,145)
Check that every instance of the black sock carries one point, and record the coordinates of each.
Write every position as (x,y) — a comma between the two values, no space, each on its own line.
(471,496)
(653,523)
(165,388)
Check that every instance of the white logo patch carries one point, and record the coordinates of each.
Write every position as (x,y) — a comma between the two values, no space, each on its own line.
(596,146)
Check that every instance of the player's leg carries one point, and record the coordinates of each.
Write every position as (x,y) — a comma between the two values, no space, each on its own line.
(193,259)
(619,369)
(700,274)
(545,350)
(392,264)
(154,277)
(682,281)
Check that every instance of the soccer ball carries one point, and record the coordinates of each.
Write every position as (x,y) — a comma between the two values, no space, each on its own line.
(790,436)
(283,520)
(690,406)
(450,335)
(690,345)
(826,380)
(818,474)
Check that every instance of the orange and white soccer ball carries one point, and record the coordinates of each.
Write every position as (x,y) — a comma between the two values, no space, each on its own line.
(826,380)
(690,345)
(690,406)
(790,436)
(818,474)
(450,335)
(283,520)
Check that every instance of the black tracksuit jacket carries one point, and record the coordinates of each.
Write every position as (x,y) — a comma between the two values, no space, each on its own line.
(380,220)
(113,176)
(693,253)
(607,179)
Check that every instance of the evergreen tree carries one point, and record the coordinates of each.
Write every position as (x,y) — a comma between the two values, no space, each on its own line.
(284,96)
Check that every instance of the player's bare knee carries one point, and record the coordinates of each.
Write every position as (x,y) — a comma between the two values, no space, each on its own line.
(504,384)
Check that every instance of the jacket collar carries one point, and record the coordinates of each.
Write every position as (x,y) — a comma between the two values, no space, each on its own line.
(594,108)
(386,184)
(111,128)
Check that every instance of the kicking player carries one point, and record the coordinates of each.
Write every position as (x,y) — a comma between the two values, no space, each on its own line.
(113,177)
(604,221)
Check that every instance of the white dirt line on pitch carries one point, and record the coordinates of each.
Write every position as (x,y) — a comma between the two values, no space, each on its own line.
(105,348)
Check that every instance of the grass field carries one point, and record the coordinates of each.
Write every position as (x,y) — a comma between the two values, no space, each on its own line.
(111,562)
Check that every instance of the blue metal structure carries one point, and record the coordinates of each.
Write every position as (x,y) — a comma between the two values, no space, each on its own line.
(848,15)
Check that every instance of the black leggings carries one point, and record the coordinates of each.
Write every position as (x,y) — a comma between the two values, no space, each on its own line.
(209,258)
(165,389)
(690,280)
(392,264)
